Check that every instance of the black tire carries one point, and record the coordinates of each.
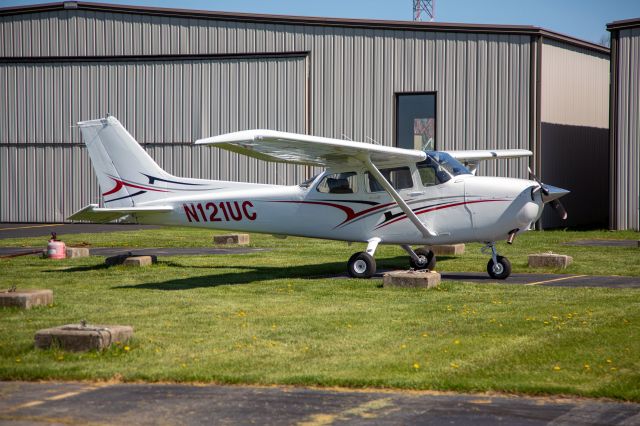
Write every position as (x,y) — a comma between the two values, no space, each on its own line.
(503,270)
(361,265)
(428,257)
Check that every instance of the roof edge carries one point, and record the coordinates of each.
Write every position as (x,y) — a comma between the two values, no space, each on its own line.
(623,24)
(308,20)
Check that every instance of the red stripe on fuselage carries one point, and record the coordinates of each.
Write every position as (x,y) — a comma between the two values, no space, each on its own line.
(121,183)
(430,209)
(351,214)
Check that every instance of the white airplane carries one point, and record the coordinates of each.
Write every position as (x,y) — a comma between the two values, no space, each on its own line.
(367,193)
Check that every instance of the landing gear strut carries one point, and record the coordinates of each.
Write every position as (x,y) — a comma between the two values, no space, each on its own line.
(499,267)
(421,258)
(363,264)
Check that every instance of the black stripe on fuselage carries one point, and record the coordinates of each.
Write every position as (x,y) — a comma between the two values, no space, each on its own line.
(152,180)
(126,196)
(370,203)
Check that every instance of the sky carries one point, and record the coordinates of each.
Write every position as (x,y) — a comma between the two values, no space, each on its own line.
(585,19)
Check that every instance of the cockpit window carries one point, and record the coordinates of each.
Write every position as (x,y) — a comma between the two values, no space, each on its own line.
(339,183)
(431,172)
(439,167)
(398,177)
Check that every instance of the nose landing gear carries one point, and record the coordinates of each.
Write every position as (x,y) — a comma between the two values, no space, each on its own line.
(421,258)
(499,267)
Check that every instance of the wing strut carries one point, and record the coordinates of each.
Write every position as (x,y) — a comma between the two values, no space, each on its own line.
(426,232)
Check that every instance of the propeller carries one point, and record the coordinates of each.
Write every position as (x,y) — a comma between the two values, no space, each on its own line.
(550,195)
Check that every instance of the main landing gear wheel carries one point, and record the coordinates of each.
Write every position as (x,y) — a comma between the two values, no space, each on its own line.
(427,259)
(500,270)
(361,265)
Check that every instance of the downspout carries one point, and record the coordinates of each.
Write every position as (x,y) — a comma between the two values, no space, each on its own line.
(613,132)
(535,109)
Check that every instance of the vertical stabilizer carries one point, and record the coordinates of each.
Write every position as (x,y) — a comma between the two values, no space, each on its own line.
(126,173)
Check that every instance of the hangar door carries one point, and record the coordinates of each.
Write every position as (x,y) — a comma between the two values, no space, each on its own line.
(165,104)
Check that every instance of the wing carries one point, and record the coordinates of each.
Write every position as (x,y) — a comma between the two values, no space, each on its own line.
(93,213)
(308,150)
(472,158)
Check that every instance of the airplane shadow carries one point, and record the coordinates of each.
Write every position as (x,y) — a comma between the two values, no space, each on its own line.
(102,266)
(250,274)
(80,268)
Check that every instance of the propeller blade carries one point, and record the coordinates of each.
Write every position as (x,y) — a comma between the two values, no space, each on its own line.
(559,208)
(532,174)
(543,188)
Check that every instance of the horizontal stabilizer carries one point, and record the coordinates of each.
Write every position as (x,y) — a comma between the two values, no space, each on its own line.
(93,213)
(492,154)
(473,157)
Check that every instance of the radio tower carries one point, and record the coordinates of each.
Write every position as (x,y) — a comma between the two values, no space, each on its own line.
(424,10)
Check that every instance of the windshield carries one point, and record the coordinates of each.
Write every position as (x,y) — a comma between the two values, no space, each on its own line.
(450,164)
(308,182)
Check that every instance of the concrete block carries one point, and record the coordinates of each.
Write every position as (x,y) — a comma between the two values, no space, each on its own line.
(138,261)
(427,279)
(240,239)
(77,252)
(549,260)
(119,259)
(447,249)
(79,337)
(26,299)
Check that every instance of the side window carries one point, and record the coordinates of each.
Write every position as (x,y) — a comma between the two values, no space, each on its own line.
(339,183)
(431,173)
(399,178)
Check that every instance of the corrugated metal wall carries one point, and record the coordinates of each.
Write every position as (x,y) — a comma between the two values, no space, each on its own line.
(574,130)
(157,101)
(482,83)
(575,86)
(627,180)
(164,104)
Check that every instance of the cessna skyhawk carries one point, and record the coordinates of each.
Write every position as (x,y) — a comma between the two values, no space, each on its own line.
(367,193)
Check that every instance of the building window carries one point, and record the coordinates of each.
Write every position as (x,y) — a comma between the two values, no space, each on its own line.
(416,121)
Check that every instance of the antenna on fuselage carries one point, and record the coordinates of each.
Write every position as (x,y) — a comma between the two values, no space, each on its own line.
(373,140)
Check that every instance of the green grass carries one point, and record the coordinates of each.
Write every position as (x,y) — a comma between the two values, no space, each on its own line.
(587,260)
(268,318)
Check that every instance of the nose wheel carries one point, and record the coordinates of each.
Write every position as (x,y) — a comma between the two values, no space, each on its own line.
(421,258)
(499,267)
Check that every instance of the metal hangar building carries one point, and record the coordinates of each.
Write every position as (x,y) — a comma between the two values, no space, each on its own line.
(173,76)
(625,124)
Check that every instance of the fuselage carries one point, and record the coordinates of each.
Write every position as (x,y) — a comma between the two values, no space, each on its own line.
(458,208)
